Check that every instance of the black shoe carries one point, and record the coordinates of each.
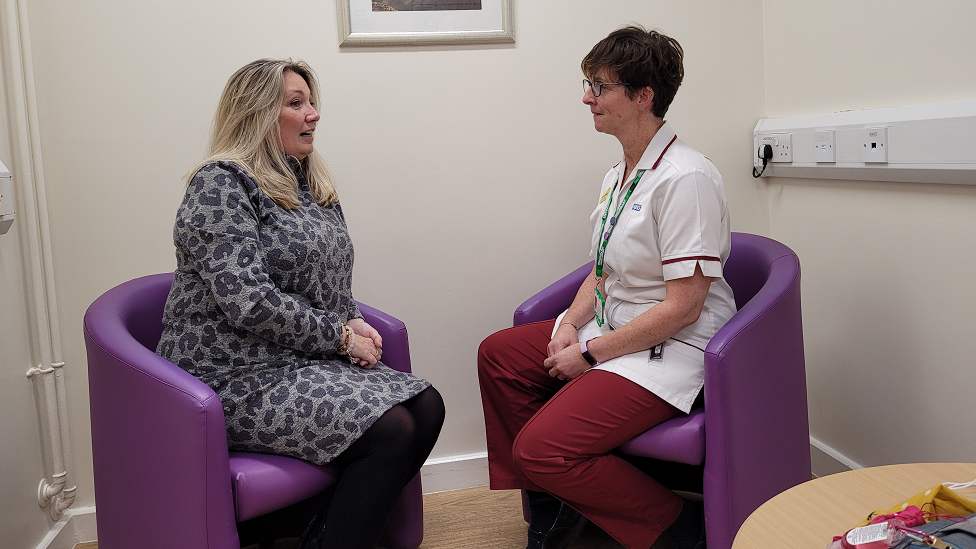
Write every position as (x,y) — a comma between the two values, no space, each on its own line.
(568,526)
(688,530)
(543,510)
(536,539)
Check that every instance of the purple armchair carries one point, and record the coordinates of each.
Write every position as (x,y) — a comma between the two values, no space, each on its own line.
(752,435)
(163,475)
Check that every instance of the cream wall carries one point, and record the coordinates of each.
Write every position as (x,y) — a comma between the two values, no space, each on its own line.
(466,173)
(887,294)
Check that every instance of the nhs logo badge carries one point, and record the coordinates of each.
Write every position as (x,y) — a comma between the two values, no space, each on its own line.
(636,208)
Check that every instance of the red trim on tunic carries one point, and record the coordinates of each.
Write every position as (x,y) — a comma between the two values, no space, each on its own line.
(654,167)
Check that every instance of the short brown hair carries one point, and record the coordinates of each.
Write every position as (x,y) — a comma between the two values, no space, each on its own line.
(641,58)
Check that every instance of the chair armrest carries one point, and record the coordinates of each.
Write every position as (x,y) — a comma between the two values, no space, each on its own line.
(756,426)
(396,346)
(554,299)
(159,446)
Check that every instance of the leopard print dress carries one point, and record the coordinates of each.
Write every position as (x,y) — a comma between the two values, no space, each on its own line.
(255,312)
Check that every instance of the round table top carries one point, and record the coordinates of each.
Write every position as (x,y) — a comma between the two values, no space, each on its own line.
(811,514)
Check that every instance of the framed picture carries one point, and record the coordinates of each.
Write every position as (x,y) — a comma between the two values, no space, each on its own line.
(419,22)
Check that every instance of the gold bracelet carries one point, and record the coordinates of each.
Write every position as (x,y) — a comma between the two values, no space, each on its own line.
(350,347)
(344,346)
(570,323)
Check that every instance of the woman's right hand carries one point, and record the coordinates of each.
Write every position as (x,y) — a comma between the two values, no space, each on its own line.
(564,337)
(362,351)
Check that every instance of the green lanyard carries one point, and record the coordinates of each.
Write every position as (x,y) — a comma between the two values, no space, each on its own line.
(601,249)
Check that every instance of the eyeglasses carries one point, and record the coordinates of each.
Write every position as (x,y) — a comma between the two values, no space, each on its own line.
(597,87)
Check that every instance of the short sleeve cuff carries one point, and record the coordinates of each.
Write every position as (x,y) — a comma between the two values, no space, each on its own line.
(685,267)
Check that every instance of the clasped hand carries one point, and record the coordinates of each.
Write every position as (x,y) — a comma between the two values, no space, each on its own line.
(367,347)
(565,361)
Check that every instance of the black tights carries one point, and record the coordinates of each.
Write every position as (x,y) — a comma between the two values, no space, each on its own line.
(375,469)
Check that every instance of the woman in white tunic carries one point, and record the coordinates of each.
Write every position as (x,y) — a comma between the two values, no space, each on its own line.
(628,354)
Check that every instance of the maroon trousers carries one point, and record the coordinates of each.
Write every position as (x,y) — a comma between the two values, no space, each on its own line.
(556,436)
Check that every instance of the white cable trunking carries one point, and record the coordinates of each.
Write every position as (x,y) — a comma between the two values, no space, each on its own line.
(933,143)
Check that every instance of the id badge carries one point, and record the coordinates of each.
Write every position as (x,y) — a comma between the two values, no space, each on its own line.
(657,351)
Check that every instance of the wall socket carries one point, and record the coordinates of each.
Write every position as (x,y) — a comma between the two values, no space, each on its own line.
(824,146)
(781,143)
(874,143)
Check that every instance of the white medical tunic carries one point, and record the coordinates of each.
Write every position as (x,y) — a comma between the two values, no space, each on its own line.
(677,218)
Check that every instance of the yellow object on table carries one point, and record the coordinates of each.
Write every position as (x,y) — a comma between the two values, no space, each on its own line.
(938,499)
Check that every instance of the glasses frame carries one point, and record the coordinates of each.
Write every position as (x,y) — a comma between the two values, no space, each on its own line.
(597,87)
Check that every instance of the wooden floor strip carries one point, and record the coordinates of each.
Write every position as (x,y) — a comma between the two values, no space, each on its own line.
(475,518)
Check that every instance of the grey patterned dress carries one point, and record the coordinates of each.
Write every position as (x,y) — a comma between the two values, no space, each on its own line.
(255,311)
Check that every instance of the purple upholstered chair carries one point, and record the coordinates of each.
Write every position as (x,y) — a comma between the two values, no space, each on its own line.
(752,435)
(163,475)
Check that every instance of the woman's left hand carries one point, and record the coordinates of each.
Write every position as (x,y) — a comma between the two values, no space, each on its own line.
(362,329)
(566,364)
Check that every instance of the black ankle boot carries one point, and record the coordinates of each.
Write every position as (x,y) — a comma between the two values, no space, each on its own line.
(688,530)
(535,539)
(568,526)
(543,509)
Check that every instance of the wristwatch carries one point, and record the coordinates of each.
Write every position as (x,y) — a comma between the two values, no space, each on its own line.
(586,354)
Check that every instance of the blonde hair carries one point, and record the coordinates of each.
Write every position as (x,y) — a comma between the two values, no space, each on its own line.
(246,131)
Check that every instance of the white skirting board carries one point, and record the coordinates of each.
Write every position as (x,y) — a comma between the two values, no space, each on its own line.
(76,526)
(455,473)
(469,471)
(827,461)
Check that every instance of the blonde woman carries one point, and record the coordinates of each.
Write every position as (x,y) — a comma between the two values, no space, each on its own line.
(261,308)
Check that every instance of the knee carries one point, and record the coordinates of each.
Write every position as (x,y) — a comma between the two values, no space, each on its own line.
(505,354)
(536,455)
(395,431)
(429,410)
(490,353)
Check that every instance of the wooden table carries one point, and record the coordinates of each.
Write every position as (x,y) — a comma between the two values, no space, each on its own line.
(811,514)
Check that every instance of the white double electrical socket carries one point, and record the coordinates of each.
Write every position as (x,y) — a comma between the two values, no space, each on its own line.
(874,143)
(824,146)
(781,143)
